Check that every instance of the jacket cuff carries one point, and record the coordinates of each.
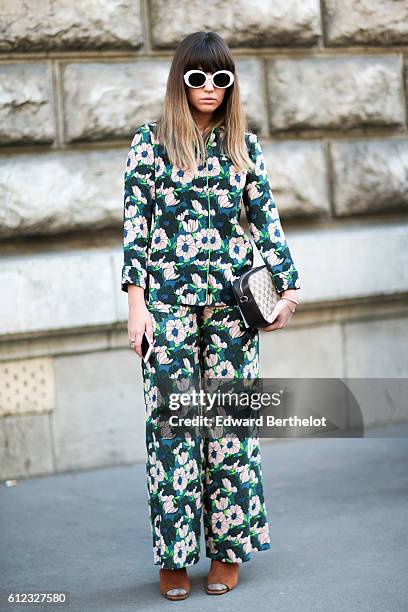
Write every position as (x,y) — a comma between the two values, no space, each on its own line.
(286,280)
(133,276)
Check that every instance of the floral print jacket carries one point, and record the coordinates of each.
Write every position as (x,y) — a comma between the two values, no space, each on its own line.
(183,242)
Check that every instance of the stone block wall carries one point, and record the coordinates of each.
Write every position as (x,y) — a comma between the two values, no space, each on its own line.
(324,84)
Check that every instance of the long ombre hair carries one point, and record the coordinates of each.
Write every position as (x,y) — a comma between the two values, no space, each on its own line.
(176,129)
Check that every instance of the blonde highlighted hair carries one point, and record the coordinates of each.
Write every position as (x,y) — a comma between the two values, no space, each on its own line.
(176,129)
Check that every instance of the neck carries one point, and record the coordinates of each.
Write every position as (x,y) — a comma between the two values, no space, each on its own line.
(203,121)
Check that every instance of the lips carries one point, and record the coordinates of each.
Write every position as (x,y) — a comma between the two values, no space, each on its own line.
(208,99)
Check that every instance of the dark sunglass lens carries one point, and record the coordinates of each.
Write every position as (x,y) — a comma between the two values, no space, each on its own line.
(196,79)
(222,79)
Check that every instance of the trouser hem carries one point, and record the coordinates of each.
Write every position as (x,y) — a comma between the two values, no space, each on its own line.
(170,565)
(247,557)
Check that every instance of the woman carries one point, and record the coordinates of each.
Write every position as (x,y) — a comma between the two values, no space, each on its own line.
(186,176)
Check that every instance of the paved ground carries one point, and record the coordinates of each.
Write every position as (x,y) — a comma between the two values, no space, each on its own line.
(338,511)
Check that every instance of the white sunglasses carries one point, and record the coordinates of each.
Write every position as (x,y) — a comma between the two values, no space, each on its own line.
(197,78)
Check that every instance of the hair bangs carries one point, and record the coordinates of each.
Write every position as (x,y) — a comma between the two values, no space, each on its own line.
(208,55)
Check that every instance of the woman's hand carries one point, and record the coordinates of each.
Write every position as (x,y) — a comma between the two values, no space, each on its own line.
(140,319)
(281,315)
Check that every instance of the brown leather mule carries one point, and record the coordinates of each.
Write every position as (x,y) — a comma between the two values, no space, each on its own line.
(222,577)
(174,583)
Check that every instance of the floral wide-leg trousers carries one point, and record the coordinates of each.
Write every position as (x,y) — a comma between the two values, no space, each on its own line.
(219,480)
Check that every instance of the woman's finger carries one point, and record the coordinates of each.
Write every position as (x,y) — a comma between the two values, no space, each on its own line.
(138,343)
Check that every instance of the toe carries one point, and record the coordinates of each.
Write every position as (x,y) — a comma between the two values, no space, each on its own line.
(217,586)
(176,592)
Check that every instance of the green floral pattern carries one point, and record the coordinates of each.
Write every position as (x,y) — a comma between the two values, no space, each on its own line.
(183,241)
(190,478)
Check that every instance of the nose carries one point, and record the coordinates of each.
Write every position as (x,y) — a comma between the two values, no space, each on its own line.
(209,87)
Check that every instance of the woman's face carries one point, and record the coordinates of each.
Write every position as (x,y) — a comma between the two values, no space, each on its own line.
(207,98)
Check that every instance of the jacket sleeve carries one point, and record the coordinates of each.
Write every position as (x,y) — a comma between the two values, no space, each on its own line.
(139,196)
(264,222)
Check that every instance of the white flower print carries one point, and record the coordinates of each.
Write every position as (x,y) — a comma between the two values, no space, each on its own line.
(203,242)
(131,162)
(236,328)
(198,281)
(235,515)
(224,369)
(140,226)
(191,324)
(247,544)
(198,207)
(159,471)
(182,531)
(179,479)
(233,556)
(228,271)
(243,471)
(220,503)
(219,523)
(260,168)
(253,477)
(152,479)
(215,452)
(252,352)
(186,363)
(186,247)
(159,239)
(179,553)
(230,445)
(250,370)
(191,541)
(197,496)
(160,167)
(213,166)
(190,226)
(175,331)
(159,547)
(191,469)
(217,342)
(182,457)
(255,232)
(144,153)
(254,505)
(223,199)
(136,139)
(188,512)
(212,282)
(168,503)
(156,526)
(263,534)
(168,269)
(130,232)
(170,198)
(130,209)
(210,361)
(275,233)
(189,298)
(215,239)
(228,486)
(237,247)
(161,355)
(253,191)
(211,546)
(179,175)
(237,179)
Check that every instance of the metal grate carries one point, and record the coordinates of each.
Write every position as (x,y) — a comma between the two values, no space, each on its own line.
(26,386)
